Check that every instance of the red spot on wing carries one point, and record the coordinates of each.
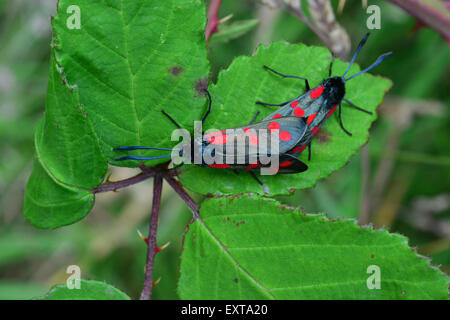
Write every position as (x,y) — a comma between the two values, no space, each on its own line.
(219,165)
(311,118)
(299,112)
(331,111)
(218,139)
(315,130)
(253,139)
(285,136)
(246,129)
(316,92)
(285,164)
(298,149)
(294,104)
(254,165)
(217,133)
(274,125)
(276,116)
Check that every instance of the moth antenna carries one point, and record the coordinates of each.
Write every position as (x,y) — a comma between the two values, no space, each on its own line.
(360,45)
(142,158)
(373,65)
(137,148)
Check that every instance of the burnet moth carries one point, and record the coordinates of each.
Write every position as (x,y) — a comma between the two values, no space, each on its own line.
(316,105)
(240,148)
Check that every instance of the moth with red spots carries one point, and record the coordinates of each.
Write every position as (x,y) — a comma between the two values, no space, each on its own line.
(290,130)
(318,104)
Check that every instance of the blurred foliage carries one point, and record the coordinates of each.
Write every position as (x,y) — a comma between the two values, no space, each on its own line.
(106,246)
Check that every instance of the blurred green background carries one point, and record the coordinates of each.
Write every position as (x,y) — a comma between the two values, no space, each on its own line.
(400,180)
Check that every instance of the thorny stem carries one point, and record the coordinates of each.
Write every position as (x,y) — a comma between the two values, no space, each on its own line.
(113,186)
(183,195)
(213,20)
(151,251)
(158,172)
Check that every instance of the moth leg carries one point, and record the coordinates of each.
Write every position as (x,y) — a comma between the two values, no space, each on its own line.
(171,119)
(272,104)
(209,106)
(236,172)
(331,65)
(256,178)
(176,167)
(340,121)
(254,118)
(356,107)
(288,76)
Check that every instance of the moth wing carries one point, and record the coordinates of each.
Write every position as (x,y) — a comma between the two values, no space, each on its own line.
(303,106)
(291,131)
(290,164)
(246,149)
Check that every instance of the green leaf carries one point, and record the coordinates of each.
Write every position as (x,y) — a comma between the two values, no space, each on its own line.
(130,60)
(108,82)
(68,160)
(89,290)
(232,31)
(250,247)
(65,141)
(49,204)
(245,82)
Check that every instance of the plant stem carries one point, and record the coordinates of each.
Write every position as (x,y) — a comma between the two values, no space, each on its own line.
(438,20)
(328,28)
(213,20)
(323,23)
(183,195)
(113,186)
(148,282)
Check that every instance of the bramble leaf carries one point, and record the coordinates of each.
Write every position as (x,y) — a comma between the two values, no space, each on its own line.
(249,247)
(130,60)
(108,82)
(68,160)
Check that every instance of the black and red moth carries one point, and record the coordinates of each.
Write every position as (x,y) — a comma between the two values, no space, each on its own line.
(316,105)
(290,130)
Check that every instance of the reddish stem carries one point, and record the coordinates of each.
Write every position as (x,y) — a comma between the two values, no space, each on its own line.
(213,20)
(148,282)
(183,195)
(427,15)
(113,186)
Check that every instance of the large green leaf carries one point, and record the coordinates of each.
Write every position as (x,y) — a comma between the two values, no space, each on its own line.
(245,82)
(250,247)
(89,290)
(68,159)
(108,82)
(130,59)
